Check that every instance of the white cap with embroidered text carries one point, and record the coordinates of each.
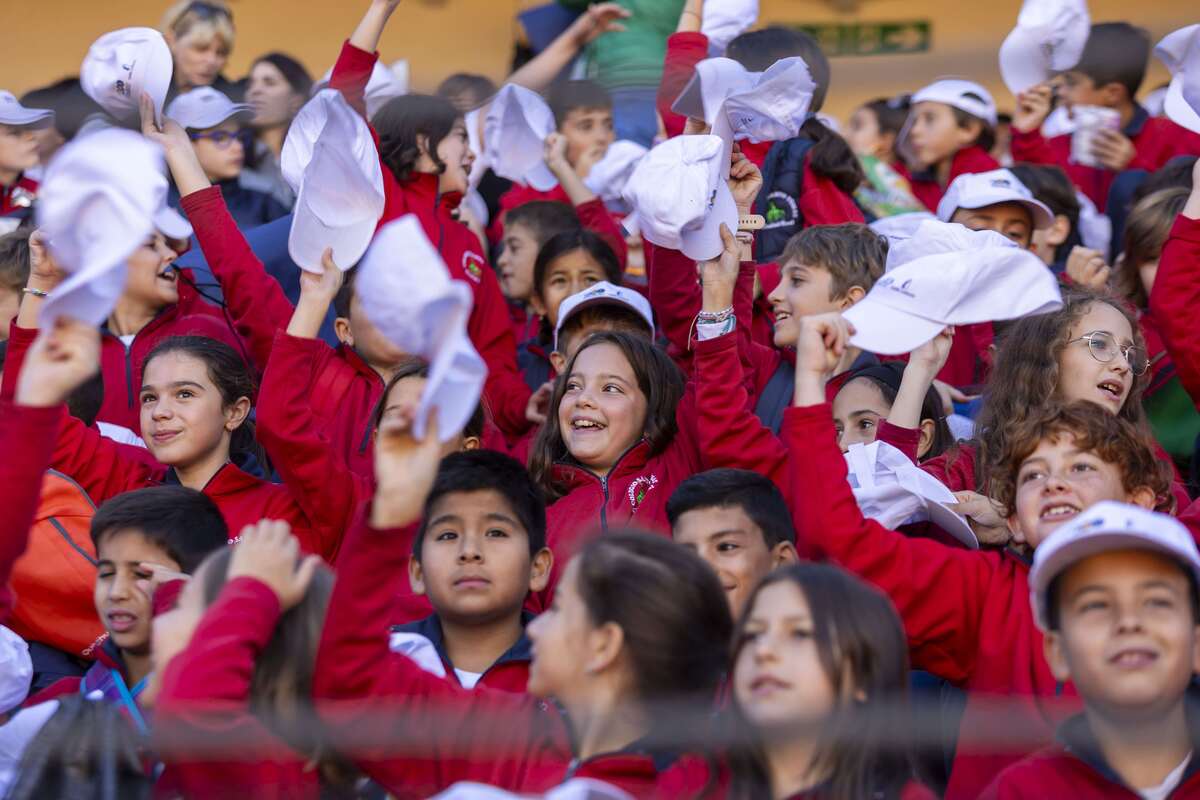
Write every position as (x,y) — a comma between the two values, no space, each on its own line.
(979,189)
(123,64)
(1180,51)
(14,114)
(680,196)
(912,303)
(98,202)
(1048,39)
(204,107)
(604,293)
(1107,526)
(725,20)
(515,130)
(406,291)
(609,175)
(957,93)
(931,235)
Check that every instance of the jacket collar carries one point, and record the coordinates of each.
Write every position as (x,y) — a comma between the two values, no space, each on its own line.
(968,159)
(227,480)
(573,474)
(640,757)
(422,188)
(351,357)
(431,629)
(1136,122)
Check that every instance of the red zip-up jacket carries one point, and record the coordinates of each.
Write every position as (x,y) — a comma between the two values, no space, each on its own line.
(205,697)
(593,215)
(509,673)
(693,777)
(976,630)
(505,392)
(1156,141)
(449,734)
(1174,299)
(28,435)
(927,189)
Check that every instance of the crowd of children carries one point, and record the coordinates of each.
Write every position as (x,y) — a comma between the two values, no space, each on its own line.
(362,442)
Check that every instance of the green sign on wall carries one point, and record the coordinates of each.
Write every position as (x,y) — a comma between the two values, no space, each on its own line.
(872,38)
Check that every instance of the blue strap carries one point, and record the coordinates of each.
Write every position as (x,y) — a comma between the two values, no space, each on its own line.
(127,699)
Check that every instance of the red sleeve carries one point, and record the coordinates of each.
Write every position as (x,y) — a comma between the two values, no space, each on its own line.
(675,297)
(942,626)
(28,436)
(594,216)
(19,342)
(320,481)
(351,73)
(99,465)
(409,606)
(505,393)
(955,468)
(906,440)
(255,300)
(1033,148)
(821,202)
(1174,299)
(684,51)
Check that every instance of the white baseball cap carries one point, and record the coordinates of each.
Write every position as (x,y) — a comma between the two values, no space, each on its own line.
(1105,526)
(979,189)
(604,293)
(13,113)
(1049,38)
(515,130)
(123,64)
(330,161)
(407,293)
(171,224)
(930,235)
(894,491)
(766,106)
(900,227)
(1180,51)
(610,174)
(99,200)
(725,20)
(964,95)
(912,303)
(679,194)
(16,670)
(473,120)
(204,107)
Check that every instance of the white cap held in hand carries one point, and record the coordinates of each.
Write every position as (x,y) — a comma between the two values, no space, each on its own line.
(123,64)
(1048,39)
(515,130)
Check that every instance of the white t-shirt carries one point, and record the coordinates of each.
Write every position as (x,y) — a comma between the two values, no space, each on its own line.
(467,679)
(1164,789)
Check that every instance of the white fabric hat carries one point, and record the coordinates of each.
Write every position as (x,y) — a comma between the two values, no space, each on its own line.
(99,200)
(474,121)
(894,491)
(979,189)
(123,64)
(515,130)
(1105,526)
(407,293)
(1095,227)
(957,93)
(766,106)
(16,734)
(1180,51)
(330,161)
(610,174)
(573,789)
(171,224)
(604,293)
(204,107)
(912,303)
(900,227)
(931,236)
(725,20)
(13,113)
(679,194)
(16,670)
(383,85)
(1049,38)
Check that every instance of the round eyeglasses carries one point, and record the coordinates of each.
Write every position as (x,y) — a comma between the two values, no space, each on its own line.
(1104,348)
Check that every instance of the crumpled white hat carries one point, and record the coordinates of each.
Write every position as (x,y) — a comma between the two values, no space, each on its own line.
(123,64)
(765,106)
(899,227)
(680,197)
(13,113)
(610,174)
(1049,38)
(407,293)
(16,670)
(573,789)
(98,202)
(912,303)
(894,491)
(515,130)
(330,161)
(930,236)
(383,85)
(1180,51)
(474,121)
(204,107)
(725,20)
(979,189)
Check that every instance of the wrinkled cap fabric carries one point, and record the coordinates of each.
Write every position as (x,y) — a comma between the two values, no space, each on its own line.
(912,303)
(610,174)
(204,107)
(123,64)
(964,95)
(16,670)
(899,227)
(330,159)
(17,115)
(1180,51)
(725,20)
(383,85)
(407,293)
(1049,38)
(930,236)
(604,293)
(679,194)
(98,202)
(1103,527)
(894,491)
(474,120)
(763,106)
(980,189)
(515,130)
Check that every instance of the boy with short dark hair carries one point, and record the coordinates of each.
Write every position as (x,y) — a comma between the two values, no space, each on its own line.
(1114,592)
(480,550)
(1109,73)
(14,274)
(738,522)
(526,228)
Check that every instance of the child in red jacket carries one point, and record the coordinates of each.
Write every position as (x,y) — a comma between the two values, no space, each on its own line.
(526,228)
(1114,593)
(1109,73)
(976,629)
(1176,290)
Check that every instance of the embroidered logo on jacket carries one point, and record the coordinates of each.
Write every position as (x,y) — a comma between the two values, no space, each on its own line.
(473,265)
(638,489)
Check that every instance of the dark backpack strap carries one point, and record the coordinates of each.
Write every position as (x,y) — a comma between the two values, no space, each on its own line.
(776,396)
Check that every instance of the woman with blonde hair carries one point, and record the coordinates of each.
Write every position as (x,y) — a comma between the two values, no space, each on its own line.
(200,34)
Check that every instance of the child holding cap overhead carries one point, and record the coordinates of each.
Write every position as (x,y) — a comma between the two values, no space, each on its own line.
(19,154)
(1115,593)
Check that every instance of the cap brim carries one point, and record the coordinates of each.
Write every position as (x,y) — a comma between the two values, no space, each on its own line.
(456,378)
(952,524)
(1023,63)
(888,331)
(599,300)
(703,243)
(1177,108)
(36,118)
(171,224)
(212,120)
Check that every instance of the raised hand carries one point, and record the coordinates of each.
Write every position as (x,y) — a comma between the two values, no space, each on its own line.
(61,359)
(745,181)
(267,551)
(599,19)
(44,272)
(1087,268)
(719,275)
(1033,106)
(1112,149)
(983,514)
(820,345)
(404,468)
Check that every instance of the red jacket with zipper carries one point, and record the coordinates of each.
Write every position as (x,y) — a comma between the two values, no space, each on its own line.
(489,326)
(927,188)
(1175,298)
(593,215)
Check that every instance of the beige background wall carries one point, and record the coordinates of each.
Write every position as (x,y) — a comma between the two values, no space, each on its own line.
(46,40)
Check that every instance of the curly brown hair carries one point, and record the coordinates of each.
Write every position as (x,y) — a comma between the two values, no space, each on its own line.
(1146,232)
(1118,441)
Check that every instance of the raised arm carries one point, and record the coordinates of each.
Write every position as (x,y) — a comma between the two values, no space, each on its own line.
(686,48)
(540,71)
(1176,292)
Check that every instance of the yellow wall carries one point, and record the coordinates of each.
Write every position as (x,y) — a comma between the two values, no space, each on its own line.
(46,40)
